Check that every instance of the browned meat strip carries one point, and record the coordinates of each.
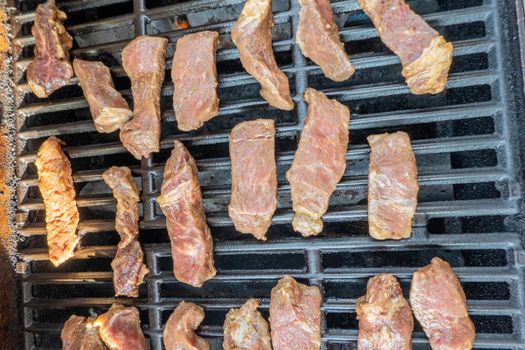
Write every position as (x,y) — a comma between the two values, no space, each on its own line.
(318,38)
(392,186)
(181,203)
(79,333)
(120,328)
(128,269)
(179,333)
(194,76)
(50,70)
(425,55)
(252,34)
(143,60)
(92,340)
(108,108)
(385,318)
(440,306)
(319,162)
(56,186)
(254,176)
(246,329)
(295,316)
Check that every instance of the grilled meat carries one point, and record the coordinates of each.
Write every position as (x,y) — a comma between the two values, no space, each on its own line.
(120,328)
(128,269)
(79,333)
(179,333)
(92,340)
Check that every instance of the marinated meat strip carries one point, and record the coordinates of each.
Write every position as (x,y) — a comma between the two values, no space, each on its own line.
(194,76)
(246,329)
(252,34)
(295,316)
(440,306)
(128,269)
(254,176)
(179,333)
(108,108)
(143,60)
(318,39)
(181,203)
(425,55)
(79,333)
(120,328)
(319,162)
(392,186)
(92,340)
(56,186)
(50,69)
(385,318)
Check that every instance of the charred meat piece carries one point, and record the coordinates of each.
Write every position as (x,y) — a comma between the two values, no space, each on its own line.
(179,333)
(108,108)
(295,316)
(56,186)
(194,76)
(120,328)
(128,269)
(425,55)
(181,203)
(392,186)
(319,162)
(50,70)
(318,38)
(246,329)
(252,34)
(254,176)
(79,333)
(143,60)
(385,318)
(440,306)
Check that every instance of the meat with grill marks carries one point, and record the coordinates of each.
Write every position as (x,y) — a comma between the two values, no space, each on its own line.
(252,34)
(179,332)
(108,108)
(318,38)
(50,69)
(79,333)
(143,60)
(55,183)
(181,203)
(425,55)
(319,162)
(194,76)
(439,304)
(120,328)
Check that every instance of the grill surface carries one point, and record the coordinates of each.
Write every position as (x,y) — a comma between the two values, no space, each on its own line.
(465,139)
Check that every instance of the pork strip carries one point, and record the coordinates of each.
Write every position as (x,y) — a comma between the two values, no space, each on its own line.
(179,332)
(319,162)
(79,333)
(120,328)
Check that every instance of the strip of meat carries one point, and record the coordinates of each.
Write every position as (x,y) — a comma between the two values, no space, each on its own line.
(128,269)
(392,186)
(252,34)
(92,340)
(179,333)
(56,186)
(120,329)
(246,329)
(108,108)
(440,306)
(318,39)
(50,70)
(194,76)
(295,316)
(385,318)
(143,60)
(319,162)
(79,333)
(425,55)
(181,203)
(254,176)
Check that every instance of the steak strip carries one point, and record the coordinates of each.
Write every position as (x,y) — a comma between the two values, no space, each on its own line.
(120,328)
(179,332)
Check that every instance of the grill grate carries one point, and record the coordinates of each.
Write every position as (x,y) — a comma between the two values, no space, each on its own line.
(465,142)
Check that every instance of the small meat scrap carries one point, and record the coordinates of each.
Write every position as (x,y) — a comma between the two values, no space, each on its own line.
(143,60)
(181,203)
(246,329)
(252,34)
(318,39)
(50,70)
(254,176)
(120,328)
(295,316)
(385,318)
(56,186)
(319,162)
(425,55)
(392,186)
(194,76)
(179,332)
(108,108)
(79,333)
(440,306)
